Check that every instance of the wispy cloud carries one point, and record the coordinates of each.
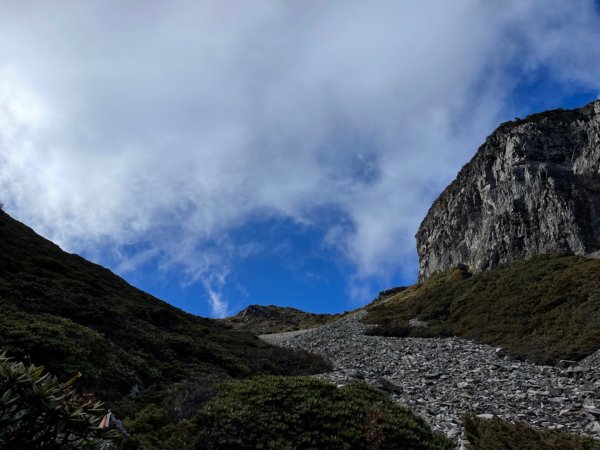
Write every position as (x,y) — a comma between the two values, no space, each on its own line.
(176,124)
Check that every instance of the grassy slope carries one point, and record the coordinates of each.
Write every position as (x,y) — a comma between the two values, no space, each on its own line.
(259,319)
(282,413)
(71,315)
(544,309)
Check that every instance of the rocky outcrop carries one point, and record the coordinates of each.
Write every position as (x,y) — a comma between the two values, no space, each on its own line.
(533,187)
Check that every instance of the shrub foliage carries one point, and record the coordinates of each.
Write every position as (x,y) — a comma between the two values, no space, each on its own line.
(281,413)
(38,411)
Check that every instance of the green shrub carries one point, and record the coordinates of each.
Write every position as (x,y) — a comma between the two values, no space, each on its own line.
(300,412)
(185,399)
(148,419)
(38,411)
(496,434)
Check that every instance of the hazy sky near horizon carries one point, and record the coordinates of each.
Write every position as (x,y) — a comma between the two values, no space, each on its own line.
(222,153)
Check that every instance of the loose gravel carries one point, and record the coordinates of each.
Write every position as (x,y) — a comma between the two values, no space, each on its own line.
(443,379)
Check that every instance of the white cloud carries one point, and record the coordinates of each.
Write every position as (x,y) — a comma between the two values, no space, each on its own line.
(173,125)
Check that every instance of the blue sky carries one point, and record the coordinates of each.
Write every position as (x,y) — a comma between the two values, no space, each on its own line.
(218,154)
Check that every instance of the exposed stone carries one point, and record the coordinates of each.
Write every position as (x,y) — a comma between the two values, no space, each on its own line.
(443,379)
(416,323)
(592,362)
(564,363)
(533,187)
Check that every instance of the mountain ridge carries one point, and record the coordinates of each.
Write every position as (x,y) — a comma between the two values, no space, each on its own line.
(71,315)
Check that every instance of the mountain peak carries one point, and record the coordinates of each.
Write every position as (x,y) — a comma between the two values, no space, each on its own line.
(261,319)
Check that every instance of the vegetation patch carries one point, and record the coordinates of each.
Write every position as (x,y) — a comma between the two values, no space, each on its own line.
(543,309)
(37,411)
(496,434)
(69,315)
(287,413)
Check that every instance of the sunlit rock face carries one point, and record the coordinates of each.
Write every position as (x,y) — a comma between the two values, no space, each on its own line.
(533,187)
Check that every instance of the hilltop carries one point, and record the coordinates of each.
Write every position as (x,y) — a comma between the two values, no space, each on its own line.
(258,319)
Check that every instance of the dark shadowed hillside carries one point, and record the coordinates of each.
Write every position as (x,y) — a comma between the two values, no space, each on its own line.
(70,315)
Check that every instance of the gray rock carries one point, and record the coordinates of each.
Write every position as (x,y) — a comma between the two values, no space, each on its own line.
(416,323)
(564,363)
(475,380)
(592,411)
(592,361)
(533,187)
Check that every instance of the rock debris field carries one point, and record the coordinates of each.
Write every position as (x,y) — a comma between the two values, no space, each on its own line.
(442,379)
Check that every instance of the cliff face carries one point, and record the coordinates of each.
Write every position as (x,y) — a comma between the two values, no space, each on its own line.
(533,187)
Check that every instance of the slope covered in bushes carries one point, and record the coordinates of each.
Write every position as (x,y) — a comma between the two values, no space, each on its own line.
(282,413)
(70,315)
(543,309)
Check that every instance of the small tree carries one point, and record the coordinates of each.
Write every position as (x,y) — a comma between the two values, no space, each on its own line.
(38,411)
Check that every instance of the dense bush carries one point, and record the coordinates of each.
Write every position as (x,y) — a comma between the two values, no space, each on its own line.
(288,413)
(38,411)
(544,309)
(496,434)
(183,400)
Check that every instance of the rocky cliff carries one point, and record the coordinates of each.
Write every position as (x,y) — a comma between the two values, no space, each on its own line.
(533,187)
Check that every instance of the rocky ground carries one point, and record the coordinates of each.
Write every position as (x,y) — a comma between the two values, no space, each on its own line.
(277,338)
(442,379)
